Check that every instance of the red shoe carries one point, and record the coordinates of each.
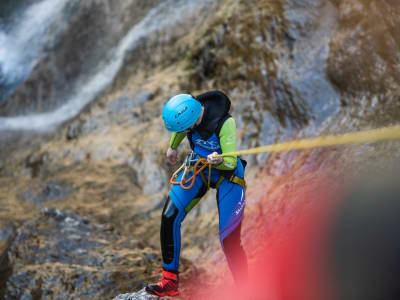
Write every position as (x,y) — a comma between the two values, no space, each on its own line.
(166,286)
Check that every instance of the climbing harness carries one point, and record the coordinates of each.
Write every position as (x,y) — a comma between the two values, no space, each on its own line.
(381,134)
(196,165)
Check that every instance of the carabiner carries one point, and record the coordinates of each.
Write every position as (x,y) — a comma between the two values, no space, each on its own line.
(190,160)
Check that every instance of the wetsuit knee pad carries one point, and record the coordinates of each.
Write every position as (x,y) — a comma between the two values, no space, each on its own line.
(169,215)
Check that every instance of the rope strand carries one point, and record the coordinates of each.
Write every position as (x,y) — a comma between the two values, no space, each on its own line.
(381,134)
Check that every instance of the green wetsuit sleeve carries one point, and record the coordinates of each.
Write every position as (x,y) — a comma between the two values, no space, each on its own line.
(176,139)
(227,140)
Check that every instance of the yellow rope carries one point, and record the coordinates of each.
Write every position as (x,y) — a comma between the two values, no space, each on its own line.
(386,133)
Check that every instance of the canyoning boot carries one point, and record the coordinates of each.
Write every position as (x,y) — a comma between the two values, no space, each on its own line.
(166,286)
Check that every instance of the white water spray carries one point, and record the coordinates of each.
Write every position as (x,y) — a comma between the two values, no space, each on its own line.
(167,14)
(20,47)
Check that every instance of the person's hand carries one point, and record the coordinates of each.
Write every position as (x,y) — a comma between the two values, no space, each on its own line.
(212,159)
(172,156)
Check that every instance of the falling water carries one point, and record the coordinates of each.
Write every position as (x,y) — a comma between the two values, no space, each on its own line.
(22,45)
(167,14)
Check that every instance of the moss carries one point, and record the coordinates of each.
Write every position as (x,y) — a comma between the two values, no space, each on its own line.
(228,52)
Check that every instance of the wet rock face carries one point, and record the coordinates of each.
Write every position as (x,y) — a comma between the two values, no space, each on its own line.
(61,255)
(124,110)
(274,61)
(8,7)
(86,32)
(364,50)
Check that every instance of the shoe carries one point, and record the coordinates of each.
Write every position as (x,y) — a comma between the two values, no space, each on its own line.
(166,286)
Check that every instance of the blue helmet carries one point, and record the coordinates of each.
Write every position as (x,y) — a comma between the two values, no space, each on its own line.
(181,112)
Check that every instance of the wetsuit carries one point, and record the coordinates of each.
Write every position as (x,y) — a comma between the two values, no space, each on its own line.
(215,133)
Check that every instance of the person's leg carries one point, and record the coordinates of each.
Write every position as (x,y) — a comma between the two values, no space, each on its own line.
(231,202)
(179,202)
(236,256)
(170,234)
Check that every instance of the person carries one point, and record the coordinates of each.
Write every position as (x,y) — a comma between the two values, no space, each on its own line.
(211,130)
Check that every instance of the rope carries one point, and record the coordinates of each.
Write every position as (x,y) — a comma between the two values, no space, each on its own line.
(375,135)
(198,167)
(381,134)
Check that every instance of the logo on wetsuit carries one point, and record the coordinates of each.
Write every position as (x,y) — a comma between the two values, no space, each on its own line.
(240,205)
(209,145)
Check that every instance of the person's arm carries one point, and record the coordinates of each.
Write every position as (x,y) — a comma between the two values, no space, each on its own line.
(172,153)
(227,138)
(176,139)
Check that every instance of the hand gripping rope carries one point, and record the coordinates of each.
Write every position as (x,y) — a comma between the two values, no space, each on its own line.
(375,135)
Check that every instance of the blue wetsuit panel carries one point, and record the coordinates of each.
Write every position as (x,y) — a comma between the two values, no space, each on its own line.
(230,197)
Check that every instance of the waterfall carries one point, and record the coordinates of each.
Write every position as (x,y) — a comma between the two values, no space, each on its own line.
(22,44)
(166,14)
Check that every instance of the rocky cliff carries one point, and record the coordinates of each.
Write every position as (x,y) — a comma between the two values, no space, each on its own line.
(83,174)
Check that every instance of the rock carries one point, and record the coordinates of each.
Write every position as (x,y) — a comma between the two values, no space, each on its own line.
(151,176)
(141,295)
(7,234)
(74,130)
(51,191)
(61,255)
(284,64)
(364,56)
(127,102)
(117,111)
(36,163)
